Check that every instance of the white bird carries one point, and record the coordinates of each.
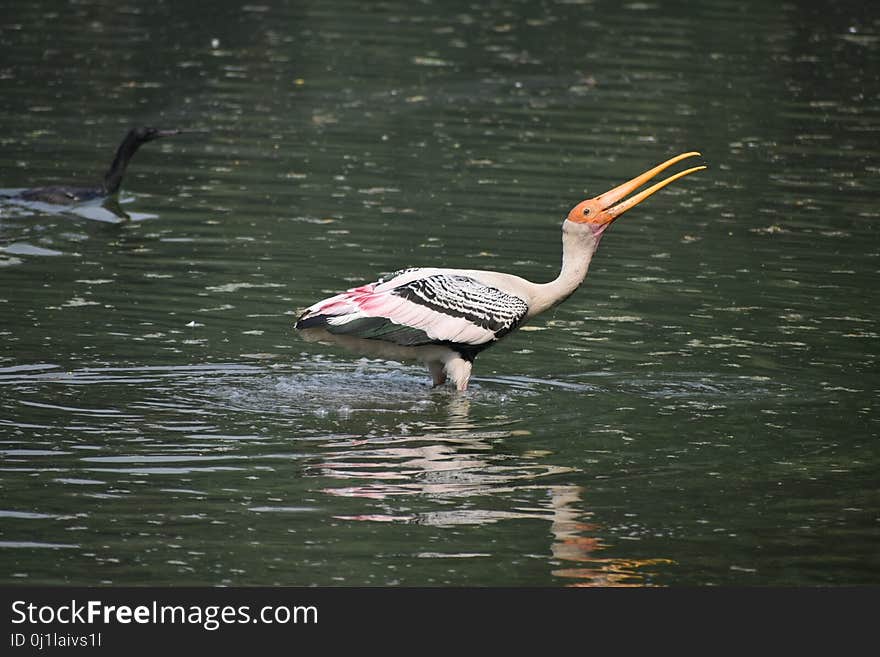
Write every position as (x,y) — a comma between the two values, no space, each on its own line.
(445,317)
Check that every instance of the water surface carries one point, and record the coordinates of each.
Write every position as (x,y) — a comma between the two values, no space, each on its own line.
(703,411)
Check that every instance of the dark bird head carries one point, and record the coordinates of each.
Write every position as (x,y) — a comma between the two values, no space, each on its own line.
(144,134)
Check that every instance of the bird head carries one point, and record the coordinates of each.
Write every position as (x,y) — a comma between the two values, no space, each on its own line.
(598,213)
(145,134)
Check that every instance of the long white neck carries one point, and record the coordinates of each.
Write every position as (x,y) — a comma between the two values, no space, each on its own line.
(579,243)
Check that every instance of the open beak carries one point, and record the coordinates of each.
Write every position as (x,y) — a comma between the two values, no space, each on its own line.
(606,202)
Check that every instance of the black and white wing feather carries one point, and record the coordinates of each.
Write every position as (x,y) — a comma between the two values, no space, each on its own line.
(421,306)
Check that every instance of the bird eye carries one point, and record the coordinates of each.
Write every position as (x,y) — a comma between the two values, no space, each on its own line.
(586,212)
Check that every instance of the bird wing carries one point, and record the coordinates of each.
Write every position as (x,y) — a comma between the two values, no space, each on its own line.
(413,308)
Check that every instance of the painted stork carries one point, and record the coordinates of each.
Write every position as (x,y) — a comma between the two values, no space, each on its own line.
(129,145)
(445,317)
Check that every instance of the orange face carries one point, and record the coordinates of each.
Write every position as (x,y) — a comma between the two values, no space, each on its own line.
(604,209)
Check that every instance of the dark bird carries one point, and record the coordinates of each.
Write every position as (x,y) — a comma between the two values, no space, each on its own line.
(445,317)
(62,195)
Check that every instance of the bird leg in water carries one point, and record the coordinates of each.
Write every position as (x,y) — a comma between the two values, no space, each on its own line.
(438,373)
(459,370)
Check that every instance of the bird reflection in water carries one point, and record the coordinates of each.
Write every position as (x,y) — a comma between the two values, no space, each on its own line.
(459,462)
(572,544)
(108,211)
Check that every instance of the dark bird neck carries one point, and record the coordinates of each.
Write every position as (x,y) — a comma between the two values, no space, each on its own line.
(128,147)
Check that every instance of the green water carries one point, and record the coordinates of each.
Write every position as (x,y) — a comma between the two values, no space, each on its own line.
(702,411)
